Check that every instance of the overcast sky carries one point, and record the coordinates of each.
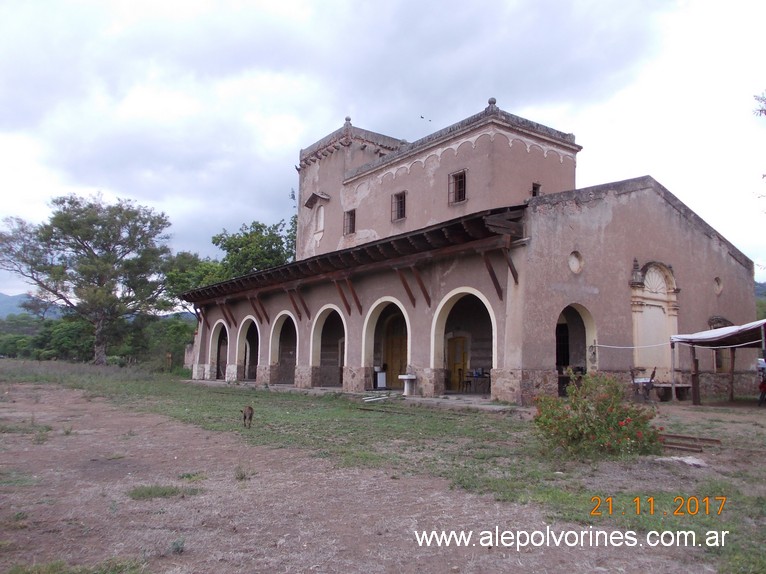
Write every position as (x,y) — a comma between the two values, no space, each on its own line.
(199,109)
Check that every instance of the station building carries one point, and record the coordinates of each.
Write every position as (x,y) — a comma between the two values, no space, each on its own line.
(468,261)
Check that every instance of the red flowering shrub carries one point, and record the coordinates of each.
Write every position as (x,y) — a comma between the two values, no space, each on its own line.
(595,420)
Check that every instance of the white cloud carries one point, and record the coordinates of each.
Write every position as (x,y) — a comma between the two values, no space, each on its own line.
(199,108)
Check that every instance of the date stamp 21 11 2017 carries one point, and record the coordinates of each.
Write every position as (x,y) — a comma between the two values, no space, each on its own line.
(681,506)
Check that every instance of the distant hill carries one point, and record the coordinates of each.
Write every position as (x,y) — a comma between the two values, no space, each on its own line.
(11,304)
(760,289)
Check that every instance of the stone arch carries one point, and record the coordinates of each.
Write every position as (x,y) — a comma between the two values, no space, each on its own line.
(439,324)
(328,349)
(575,343)
(655,317)
(248,349)
(218,350)
(387,336)
(316,332)
(283,348)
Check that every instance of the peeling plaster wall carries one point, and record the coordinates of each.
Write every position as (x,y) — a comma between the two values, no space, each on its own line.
(609,226)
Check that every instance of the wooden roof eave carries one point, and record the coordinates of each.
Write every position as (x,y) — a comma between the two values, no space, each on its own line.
(442,240)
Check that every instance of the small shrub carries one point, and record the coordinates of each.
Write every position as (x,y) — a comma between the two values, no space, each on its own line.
(111,566)
(41,436)
(160,491)
(193,476)
(595,420)
(240,474)
(177,546)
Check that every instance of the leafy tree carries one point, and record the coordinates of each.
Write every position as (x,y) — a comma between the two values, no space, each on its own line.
(187,271)
(20,324)
(12,345)
(70,338)
(256,247)
(102,262)
(167,341)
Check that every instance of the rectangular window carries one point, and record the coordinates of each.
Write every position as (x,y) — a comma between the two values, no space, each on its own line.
(349,222)
(398,206)
(457,187)
(536,189)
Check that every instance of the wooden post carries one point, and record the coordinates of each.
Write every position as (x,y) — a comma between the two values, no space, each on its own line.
(732,353)
(695,378)
(673,370)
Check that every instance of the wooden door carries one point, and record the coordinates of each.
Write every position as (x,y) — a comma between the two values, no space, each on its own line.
(395,351)
(456,361)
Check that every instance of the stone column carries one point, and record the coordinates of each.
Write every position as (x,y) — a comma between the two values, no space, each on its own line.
(306,376)
(431,382)
(200,371)
(262,376)
(357,379)
(507,385)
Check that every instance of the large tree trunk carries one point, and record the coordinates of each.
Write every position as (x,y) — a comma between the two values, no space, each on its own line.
(99,347)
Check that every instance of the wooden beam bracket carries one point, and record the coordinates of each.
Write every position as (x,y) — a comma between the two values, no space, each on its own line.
(227,314)
(492,275)
(406,286)
(421,284)
(351,289)
(255,309)
(511,266)
(343,297)
(295,304)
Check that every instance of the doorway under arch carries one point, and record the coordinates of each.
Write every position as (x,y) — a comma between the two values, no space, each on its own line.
(386,342)
(574,329)
(284,350)
(248,350)
(468,345)
(220,349)
(464,340)
(330,354)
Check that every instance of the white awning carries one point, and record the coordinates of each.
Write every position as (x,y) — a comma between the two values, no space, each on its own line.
(750,335)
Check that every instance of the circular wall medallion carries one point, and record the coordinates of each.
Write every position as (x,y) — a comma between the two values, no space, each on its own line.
(717,285)
(575,262)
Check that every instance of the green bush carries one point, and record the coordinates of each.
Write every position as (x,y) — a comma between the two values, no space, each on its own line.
(596,420)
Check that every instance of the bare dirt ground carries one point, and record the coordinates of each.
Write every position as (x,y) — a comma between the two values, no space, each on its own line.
(64,496)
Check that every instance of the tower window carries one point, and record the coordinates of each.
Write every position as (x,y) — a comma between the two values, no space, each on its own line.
(457,186)
(349,222)
(398,206)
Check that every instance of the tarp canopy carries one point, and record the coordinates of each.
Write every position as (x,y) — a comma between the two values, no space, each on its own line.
(750,335)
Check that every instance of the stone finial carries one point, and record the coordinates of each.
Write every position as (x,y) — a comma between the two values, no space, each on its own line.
(348,121)
(492,107)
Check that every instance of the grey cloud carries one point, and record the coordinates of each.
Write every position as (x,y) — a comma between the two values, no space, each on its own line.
(386,64)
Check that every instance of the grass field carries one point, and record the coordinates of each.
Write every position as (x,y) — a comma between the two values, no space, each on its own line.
(484,452)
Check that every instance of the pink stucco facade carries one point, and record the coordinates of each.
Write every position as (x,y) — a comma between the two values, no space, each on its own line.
(493,271)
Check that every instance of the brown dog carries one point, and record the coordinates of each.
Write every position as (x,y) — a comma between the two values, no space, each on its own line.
(247,417)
